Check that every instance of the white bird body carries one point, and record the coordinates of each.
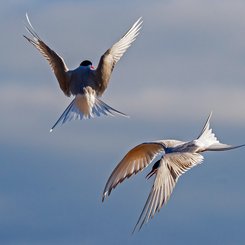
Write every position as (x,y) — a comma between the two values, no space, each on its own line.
(85,83)
(176,158)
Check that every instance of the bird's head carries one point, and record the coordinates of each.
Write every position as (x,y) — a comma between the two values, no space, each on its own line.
(87,63)
(154,169)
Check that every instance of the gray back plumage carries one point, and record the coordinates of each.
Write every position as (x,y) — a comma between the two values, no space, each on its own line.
(80,78)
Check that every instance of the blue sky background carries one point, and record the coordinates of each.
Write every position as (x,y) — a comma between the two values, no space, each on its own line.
(189,59)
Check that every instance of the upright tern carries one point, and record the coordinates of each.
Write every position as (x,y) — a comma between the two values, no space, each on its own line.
(86,83)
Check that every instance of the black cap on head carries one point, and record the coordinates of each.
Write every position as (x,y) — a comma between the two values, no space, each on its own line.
(86,63)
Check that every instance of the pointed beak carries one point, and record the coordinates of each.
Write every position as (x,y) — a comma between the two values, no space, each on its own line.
(148,176)
(92,67)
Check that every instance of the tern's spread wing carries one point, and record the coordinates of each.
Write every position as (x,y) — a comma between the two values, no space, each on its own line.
(134,161)
(113,55)
(55,61)
(171,167)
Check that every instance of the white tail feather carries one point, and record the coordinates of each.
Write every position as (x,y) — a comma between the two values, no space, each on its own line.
(207,137)
(208,141)
(77,112)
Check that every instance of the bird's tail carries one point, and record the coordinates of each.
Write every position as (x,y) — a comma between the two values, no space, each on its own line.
(85,106)
(208,141)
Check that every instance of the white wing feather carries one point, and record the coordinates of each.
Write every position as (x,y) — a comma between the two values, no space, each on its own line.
(109,59)
(172,166)
(119,48)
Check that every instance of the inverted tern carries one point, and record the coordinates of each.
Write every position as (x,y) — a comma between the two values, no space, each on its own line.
(86,83)
(176,157)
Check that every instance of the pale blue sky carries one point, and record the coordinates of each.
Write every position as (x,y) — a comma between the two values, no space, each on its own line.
(189,59)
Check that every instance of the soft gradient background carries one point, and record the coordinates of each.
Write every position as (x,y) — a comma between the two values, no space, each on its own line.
(189,59)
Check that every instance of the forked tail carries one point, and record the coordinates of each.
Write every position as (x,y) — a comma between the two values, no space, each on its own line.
(77,111)
(209,142)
